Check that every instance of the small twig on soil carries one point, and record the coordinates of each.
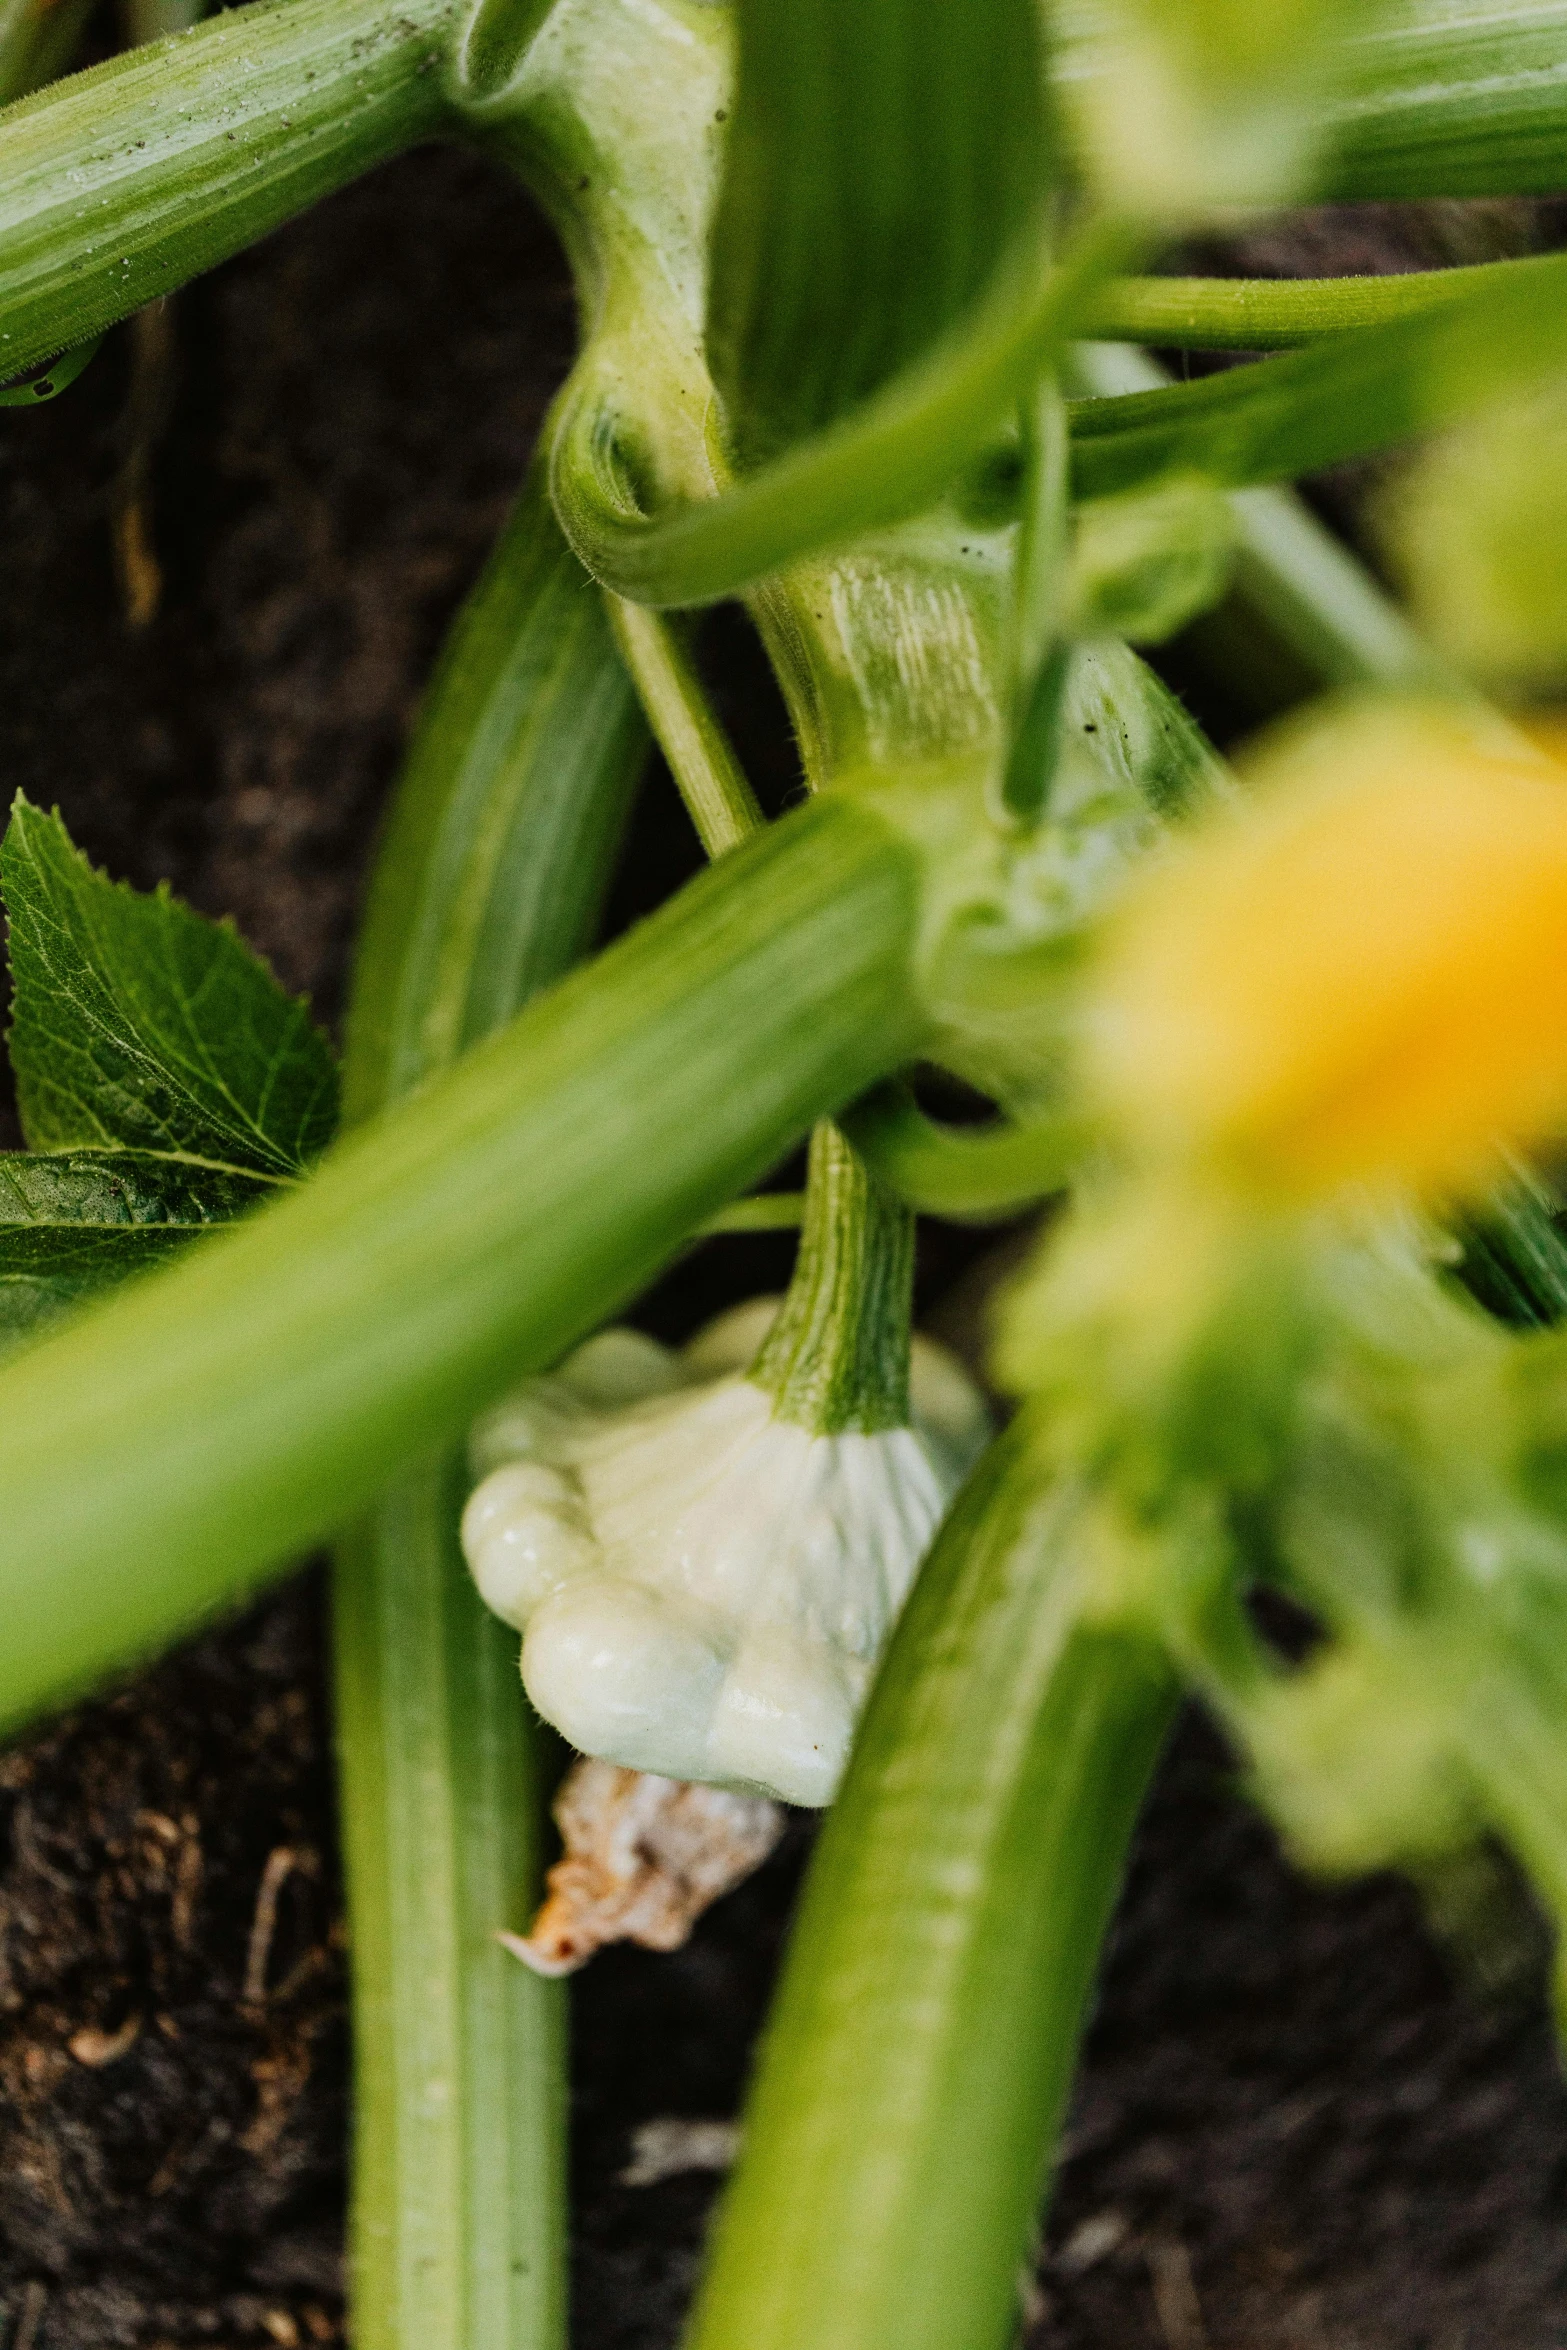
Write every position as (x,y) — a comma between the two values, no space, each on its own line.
(1175,2295)
(29,1846)
(96,2048)
(147,410)
(281,1862)
(35,2300)
(672,2146)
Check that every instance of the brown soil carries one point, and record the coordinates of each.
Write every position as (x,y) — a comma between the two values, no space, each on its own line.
(1297,2124)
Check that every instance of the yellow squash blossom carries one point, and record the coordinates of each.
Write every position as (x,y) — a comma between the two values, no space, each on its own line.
(1361,978)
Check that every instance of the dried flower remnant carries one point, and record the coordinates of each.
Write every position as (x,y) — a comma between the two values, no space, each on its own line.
(645,1856)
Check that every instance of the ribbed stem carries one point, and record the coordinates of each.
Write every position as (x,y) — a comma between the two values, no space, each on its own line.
(919,2055)
(126,181)
(499,844)
(837,1357)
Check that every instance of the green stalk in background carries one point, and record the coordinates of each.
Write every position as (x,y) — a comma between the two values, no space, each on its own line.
(1279,313)
(921,2047)
(1347,397)
(38,39)
(496,854)
(1302,612)
(1440,100)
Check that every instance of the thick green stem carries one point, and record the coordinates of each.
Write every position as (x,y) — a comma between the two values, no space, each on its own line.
(500,843)
(124,182)
(922,2044)
(224,1414)
(838,1355)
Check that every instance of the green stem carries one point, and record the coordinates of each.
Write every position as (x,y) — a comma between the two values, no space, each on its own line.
(227,1413)
(711,781)
(126,181)
(922,2044)
(837,1357)
(1360,392)
(894,455)
(38,39)
(964,1172)
(499,846)
(1280,313)
(1039,655)
(763,1211)
(1294,580)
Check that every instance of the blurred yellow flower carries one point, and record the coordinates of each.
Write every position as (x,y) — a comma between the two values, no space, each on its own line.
(1361,978)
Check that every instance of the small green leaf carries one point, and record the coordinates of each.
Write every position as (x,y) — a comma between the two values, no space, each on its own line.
(139,1025)
(75,1222)
(881,159)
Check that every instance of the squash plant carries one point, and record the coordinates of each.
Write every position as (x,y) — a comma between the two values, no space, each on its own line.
(851,286)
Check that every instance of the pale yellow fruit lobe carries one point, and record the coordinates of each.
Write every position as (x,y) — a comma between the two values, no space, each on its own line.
(1360,979)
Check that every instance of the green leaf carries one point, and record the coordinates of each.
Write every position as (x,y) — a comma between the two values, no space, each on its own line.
(75,1222)
(139,1025)
(1361,392)
(881,159)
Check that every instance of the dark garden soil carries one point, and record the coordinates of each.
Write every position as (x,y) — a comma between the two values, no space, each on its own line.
(1301,2124)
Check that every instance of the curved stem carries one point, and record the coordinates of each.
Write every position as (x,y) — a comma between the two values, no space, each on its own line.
(963,1172)
(123,182)
(894,455)
(922,2043)
(498,848)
